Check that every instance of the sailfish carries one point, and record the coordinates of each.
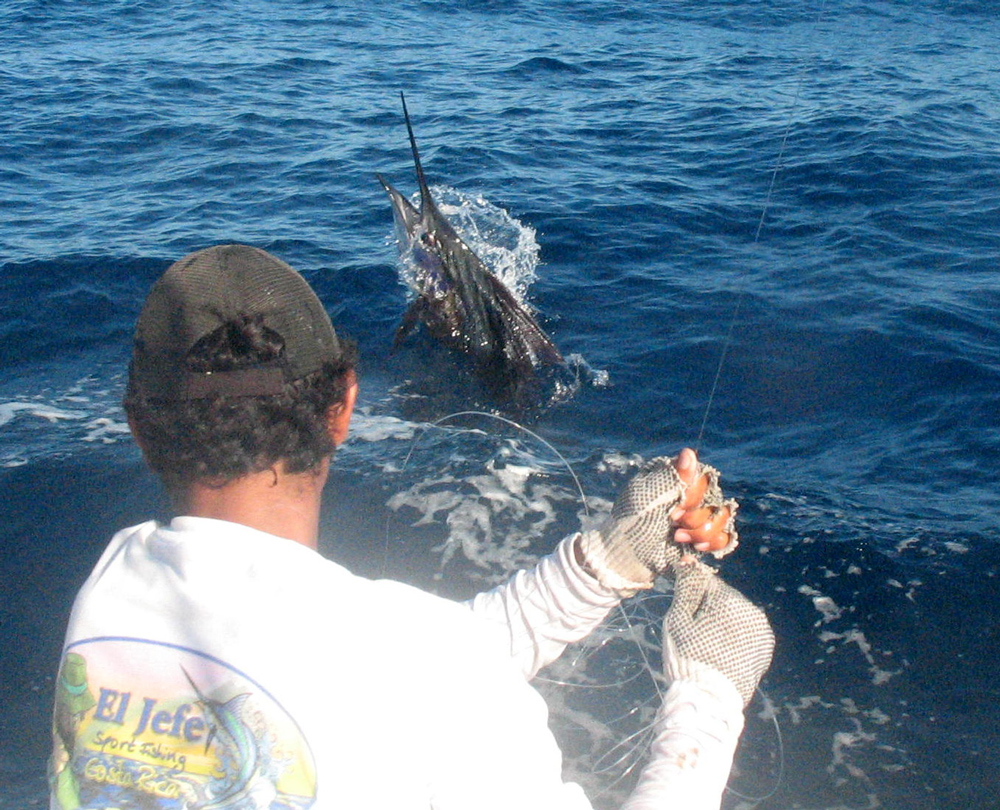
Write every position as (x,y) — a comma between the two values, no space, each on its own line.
(459,300)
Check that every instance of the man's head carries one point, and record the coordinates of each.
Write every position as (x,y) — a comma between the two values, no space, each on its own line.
(235,367)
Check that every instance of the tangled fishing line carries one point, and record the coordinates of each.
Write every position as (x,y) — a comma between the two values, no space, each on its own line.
(605,690)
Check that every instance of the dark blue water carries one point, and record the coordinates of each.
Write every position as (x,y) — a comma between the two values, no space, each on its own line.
(807,189)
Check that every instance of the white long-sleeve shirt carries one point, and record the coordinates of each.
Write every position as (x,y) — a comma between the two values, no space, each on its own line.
(209,665)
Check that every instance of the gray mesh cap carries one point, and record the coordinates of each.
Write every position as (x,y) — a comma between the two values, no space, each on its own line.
(209,288)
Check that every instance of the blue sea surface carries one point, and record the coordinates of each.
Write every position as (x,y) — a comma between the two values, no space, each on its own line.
(769,230)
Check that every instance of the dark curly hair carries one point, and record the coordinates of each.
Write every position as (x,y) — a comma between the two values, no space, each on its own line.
(221,438)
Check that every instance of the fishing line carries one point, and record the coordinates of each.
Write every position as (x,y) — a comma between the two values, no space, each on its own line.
(780,743)
(627,753)
(741,291)
(621,751)
(727,342)
(511,423)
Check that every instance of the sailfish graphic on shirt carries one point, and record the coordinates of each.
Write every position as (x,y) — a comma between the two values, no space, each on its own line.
(238,753)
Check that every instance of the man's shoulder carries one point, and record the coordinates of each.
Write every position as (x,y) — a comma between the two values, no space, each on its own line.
(415,603)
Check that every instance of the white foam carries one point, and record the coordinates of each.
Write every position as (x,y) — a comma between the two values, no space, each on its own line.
(508,247)
(491,518)
(828,609)
(369,427)
(106,430)
(830,612)
(47,422)
(10,410)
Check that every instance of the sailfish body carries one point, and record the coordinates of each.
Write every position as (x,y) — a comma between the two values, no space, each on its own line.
(458,299)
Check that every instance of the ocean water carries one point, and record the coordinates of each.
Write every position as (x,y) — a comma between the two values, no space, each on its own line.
(769,230)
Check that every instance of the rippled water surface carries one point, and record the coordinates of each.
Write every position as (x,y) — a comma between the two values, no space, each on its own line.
(799,195)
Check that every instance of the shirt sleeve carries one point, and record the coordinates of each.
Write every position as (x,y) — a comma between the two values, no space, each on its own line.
(698,728)
(539,611)
(536,614)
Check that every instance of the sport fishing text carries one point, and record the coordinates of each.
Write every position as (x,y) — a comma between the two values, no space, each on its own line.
(150,750)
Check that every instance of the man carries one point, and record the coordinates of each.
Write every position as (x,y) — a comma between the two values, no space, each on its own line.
(220,662)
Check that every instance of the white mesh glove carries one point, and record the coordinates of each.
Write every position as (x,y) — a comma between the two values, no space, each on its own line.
(711,625)
(716,648)
(636,543)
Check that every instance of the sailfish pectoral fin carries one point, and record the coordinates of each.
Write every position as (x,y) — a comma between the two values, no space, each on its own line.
(414,314)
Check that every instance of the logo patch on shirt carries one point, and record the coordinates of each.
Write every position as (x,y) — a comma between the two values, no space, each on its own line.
(142,724)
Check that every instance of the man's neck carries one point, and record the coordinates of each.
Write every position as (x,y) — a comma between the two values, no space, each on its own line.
(273,501)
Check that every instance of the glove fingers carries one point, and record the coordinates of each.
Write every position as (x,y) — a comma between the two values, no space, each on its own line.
(636,543)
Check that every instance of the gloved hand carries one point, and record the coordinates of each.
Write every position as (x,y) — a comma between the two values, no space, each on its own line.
(711,626)
(637,543)
(716,647)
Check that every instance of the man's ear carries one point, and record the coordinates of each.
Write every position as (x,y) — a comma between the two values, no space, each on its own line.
(338,417)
